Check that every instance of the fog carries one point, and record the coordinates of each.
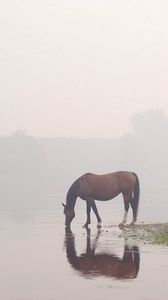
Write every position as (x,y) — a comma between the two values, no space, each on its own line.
(34,168)
(83,89)
(81,68)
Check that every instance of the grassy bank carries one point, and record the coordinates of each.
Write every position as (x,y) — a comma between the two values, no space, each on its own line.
(148,233)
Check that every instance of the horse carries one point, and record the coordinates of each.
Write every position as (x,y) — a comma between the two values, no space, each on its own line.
(97,264)
(91,187)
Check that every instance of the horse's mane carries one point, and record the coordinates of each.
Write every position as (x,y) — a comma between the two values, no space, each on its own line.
(74,188)
(73,191)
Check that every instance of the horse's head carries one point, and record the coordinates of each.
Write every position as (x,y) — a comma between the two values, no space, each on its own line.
(69,215)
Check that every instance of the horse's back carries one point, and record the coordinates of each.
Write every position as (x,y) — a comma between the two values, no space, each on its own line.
(114,176)
(106,186)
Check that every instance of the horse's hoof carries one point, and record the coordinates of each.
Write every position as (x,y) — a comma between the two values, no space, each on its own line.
(99,225)
(86,226)
(132,224)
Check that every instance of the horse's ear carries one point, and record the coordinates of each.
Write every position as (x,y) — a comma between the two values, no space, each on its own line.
(63,205)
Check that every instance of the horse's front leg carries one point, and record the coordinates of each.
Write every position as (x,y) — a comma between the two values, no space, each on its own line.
(94,207)
(88,209)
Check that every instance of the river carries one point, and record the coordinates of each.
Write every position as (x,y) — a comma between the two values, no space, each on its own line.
(40,261)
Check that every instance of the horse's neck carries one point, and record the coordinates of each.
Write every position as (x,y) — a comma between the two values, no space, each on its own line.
(72,195)
(70,202)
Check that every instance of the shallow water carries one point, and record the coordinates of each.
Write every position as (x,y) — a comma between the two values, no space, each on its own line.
(39,261)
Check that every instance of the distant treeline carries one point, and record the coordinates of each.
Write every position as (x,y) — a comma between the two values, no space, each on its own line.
(49,165)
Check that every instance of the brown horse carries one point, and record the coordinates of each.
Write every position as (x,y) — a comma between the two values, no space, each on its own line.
(91,187)
(96,264)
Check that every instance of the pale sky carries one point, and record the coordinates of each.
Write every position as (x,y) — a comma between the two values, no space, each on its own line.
(81,68)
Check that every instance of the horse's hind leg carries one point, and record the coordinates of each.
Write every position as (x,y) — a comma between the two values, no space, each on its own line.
(133,205)
(126,206)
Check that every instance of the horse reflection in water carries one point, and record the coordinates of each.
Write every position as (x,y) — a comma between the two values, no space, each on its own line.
(92,264)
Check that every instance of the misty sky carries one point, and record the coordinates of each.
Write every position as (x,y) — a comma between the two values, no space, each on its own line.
(78,68)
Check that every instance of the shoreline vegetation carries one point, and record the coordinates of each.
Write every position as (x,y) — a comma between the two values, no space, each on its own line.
(148,233)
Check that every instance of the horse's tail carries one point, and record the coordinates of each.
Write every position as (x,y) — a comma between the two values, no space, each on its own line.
(136,196)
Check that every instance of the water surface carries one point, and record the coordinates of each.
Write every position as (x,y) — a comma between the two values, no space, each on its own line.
(40,261)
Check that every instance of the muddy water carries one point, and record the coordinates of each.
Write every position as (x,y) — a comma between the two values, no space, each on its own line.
(40,261)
